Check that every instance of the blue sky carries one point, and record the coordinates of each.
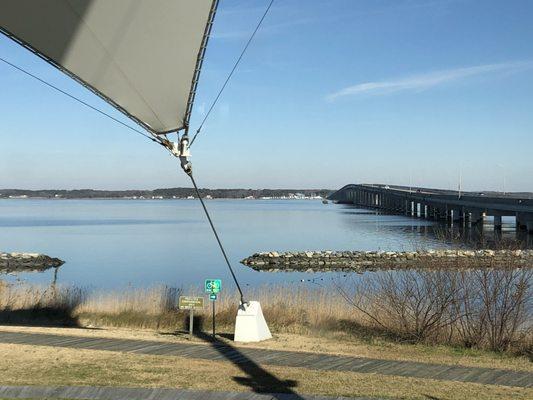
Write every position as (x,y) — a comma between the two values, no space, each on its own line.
(330,92)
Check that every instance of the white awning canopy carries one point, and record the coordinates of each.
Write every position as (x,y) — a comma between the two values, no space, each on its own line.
(142,56)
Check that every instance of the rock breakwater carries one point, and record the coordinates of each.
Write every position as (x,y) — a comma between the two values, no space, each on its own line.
(360,261)
(27,262)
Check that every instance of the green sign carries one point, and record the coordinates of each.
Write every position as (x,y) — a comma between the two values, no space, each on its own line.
(191,302)
(213,285)
(213,296)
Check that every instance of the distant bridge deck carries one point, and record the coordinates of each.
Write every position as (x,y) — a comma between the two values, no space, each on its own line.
(441,204)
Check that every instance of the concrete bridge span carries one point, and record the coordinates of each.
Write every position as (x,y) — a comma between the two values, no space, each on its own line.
(439,204)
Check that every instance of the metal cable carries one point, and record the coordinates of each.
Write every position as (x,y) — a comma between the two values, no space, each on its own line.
(146,136)
(79,100)
(232,71)
(218,239)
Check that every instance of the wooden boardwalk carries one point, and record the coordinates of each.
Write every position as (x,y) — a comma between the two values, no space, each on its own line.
(248,356)
(121,393)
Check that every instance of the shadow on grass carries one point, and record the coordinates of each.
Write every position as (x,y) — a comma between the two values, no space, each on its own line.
(39,316)
(257,378)
(228,336)
(369,334)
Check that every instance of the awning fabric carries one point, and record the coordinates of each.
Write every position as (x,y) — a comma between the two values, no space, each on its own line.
(142,56)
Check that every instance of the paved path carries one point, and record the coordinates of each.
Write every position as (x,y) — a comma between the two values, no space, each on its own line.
(245,357)
(118,393)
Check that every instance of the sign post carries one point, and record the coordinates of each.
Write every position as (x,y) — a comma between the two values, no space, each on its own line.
(191,322)
(213,298)
(213,287)
(190,303)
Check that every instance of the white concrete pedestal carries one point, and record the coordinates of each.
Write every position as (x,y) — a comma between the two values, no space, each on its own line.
(250,325)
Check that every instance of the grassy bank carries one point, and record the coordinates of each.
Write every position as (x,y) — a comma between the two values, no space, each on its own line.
(288,309)
(465,312)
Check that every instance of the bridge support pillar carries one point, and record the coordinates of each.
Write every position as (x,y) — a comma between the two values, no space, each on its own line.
(497,222)
(476,218)
(518,221)
(521,220)
(524,221)
(457,215)
(448,215)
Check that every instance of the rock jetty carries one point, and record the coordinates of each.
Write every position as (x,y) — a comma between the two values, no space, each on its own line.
(360,261)
(27,262)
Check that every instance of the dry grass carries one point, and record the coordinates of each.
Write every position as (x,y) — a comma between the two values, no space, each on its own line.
(36,365)
(288,309)
(489,309)
(302,318)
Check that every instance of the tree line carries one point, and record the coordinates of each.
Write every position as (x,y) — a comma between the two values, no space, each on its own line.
(164,193)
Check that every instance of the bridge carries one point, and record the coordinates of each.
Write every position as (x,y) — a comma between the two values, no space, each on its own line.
(439,204)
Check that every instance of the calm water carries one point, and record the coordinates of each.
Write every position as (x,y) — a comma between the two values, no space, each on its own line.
(114,243)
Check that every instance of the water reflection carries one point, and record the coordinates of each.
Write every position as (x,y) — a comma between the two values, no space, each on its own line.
(119,243)
(436,234)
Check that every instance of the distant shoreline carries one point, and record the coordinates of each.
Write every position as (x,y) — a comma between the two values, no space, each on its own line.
(165,194)
(146,199)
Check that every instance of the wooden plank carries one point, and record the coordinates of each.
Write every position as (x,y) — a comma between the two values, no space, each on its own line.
(282,358)
(121,393)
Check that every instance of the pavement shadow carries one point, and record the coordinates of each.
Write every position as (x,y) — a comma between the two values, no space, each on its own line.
(257,378)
